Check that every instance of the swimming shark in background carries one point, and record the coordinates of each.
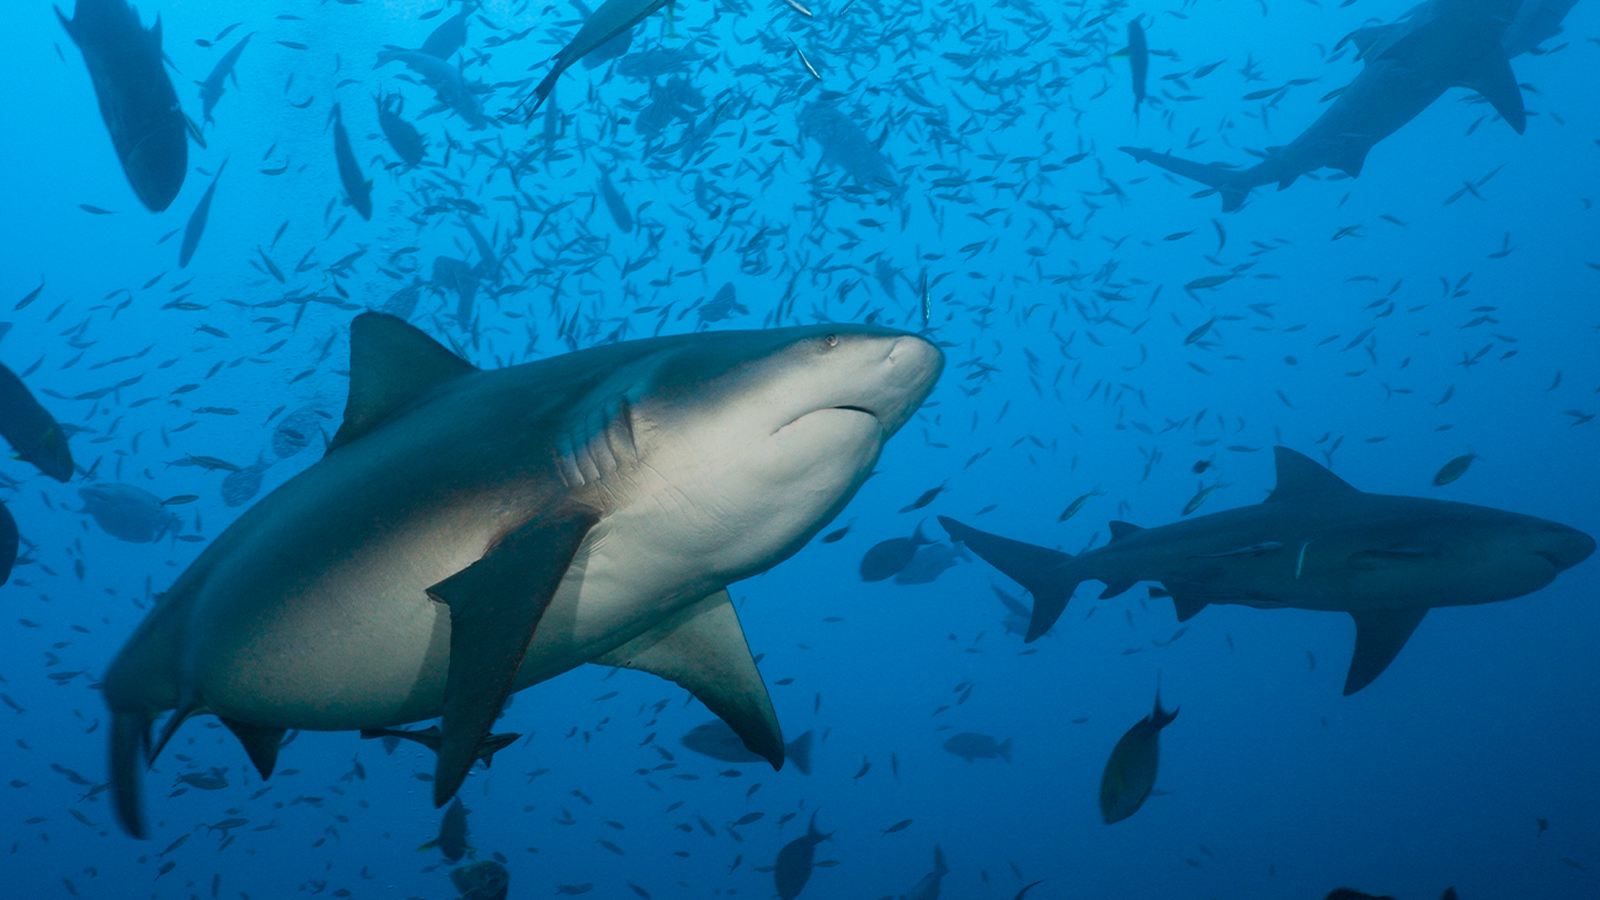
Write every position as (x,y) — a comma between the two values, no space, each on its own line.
(137,100)
(470,533)
(1407,66)
(1314,543)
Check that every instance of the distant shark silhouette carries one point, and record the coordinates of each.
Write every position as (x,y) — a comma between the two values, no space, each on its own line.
(1314,543)
(1408,65)
(471,533)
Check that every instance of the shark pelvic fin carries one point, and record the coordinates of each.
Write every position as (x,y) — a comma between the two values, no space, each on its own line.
(1379,637)
(1039,569)
(495,604)
(703,649)
(391,364)
(260,743)
(1116,588)
(1495,81)
(1300,478)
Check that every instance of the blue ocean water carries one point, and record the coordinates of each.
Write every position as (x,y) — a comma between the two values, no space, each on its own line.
(943,168)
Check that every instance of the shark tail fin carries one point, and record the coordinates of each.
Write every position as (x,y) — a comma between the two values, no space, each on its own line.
(798,751)
(1004,749)
(1044,572)
(939,867)
(130,745)
(1230,183)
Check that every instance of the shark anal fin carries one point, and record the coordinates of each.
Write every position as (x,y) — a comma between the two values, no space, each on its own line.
(1115,588)
(703,649)
(1039,569)
(260,743)
(1379,637)
(495,604)
(1498,85)
(1185,606)
(391,364)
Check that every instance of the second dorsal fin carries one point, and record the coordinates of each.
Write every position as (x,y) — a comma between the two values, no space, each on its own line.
(391,364)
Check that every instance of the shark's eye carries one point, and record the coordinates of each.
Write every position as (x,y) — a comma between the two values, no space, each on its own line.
(832,340)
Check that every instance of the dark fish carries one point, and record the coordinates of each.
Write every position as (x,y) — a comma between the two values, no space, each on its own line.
(615,203)
(357,188)
(795,860)
(483,880)
(197,221)
(451,34)
(930,562)
(926,498)
(718,741)
(238,488)
(886,559)
(969,745)
(1131,770)
(614,17)
(211,89)
(429,737)
(137,101)
(128,513)
(452,839)
(32,432)
(294,432)
(10,540)
(1453,469)
(401,135)
(1138,53)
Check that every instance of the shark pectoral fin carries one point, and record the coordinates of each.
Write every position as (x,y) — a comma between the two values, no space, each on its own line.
(1379,637)
(1039,569)
(703,650)
(1498,85)
(260,743)
(495,604)
(130,743)
(391,364)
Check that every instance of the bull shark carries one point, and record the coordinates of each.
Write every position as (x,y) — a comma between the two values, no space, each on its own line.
(1314,543)
(470,533)
(137,100)
(1445,44)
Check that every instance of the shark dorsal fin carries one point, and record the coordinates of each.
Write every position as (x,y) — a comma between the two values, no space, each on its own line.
(391,364)
(1120,530)
(1300,477)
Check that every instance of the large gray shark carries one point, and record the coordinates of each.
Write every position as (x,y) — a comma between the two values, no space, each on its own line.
(1444,44)
(470,533)
(1314,543)
(136,96)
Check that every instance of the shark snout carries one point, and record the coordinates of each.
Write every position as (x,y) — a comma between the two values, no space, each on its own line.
(910,369)
(1565,547)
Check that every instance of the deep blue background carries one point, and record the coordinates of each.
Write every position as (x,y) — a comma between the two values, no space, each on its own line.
(1273,785)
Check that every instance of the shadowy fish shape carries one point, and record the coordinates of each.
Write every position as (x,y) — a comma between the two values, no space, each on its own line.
(614,17)
(795,861)
(197,221)
(1453,469)
(886,559)
(970,746)
(128,513)
(10,542)
(401,135)
(1131,770)
(137,100)
(928,887)
(294,432)
(452,839)
(33,433)
(358,189)
(483,880)
(212,88)
(930,561)
(716,740)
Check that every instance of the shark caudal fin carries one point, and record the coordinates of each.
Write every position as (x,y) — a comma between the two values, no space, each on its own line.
(1039,569)
(1230,183)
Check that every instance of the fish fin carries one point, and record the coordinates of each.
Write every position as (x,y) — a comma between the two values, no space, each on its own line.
(703,649)
(260,743)
(495,605)
(1379,637)
(188,705)
(1186,607)
(1300,477)
(1004,749)
(1233,184)
(1116,588)
(391,364)
(1495,81)
(1039,569)
(130,744)
(1350,158)
(67,23)
(1120,530)
(798,751)
(1365,38)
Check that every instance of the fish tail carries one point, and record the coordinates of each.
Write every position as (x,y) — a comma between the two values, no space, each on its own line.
(1004,749)
(1045,573)
(130,745)
(798,752)
(1232,184)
